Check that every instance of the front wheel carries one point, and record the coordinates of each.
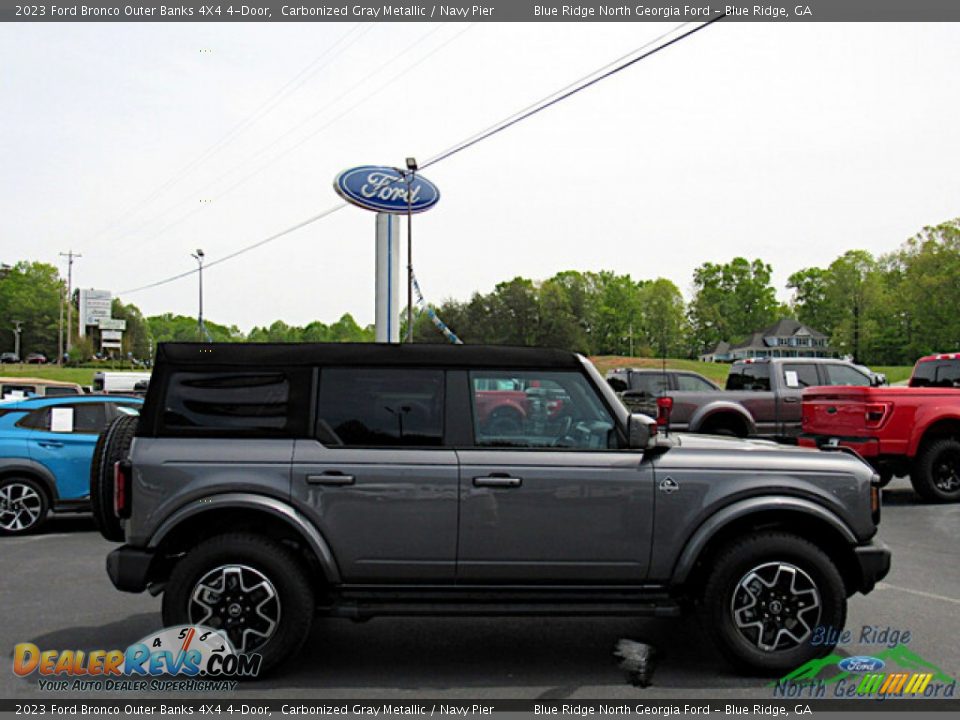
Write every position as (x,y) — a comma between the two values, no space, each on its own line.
(765,598)
(23,506)
(936,475)
(248,586)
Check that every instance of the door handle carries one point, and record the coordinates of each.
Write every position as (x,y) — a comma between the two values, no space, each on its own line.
(791,399)
(499,481)
(335,479)
(50,444)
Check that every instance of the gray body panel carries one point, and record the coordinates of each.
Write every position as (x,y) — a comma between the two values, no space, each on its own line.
(395,522)
(172,473)
(715,473)
(572,516)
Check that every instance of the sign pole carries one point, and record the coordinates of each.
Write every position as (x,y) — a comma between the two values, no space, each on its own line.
(387,287)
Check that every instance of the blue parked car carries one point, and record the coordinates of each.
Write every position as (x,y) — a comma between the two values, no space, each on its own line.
(46,445)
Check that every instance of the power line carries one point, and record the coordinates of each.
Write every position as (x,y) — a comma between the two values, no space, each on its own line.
(512,120)
(573,84)
(563,96)
(261,111)
(297,144)
(241,251)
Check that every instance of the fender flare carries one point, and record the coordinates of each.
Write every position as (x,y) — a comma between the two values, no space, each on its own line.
(25,466)
(750,506)
(925,420)
(705,412)
(248,501)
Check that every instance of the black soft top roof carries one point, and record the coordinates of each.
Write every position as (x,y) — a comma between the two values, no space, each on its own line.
(282,354)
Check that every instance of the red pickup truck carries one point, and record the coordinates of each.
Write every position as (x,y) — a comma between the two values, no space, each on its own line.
(911,430)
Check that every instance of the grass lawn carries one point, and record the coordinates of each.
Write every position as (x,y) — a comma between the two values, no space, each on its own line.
(81,376)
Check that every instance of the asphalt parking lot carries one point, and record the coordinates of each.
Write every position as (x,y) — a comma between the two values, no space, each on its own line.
(55,594)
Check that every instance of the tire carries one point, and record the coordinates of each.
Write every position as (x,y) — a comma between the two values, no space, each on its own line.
(725,426)
(772,567)
(112,446)
(505,421)
(253,560)
(24,505)
(936,473)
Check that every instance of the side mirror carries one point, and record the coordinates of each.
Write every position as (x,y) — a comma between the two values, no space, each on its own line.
(642,432)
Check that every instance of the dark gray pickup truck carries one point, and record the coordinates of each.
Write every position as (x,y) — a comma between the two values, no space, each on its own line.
(762,397)
(266,484)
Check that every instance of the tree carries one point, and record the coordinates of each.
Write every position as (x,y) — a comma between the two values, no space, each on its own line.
(731,300)
(664,326)
(922,278)
(180,328)
(136,337)
(30,293)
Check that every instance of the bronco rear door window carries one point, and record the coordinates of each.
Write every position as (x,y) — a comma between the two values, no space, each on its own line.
(380,407)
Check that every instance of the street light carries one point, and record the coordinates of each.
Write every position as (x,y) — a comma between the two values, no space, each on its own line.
(199,256)
(411,172)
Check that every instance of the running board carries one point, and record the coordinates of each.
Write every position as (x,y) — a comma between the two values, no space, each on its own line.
(365,604)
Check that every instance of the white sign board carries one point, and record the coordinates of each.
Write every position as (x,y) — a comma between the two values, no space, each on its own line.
(94,305)
(109,323)
(61,419)
(111,335)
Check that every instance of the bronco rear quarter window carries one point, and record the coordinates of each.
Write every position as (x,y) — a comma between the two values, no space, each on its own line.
(224,403)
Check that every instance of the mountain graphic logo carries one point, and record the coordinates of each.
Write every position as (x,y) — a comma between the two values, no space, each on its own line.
(827,669)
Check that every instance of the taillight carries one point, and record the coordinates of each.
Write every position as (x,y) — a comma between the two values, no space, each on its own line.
(876,413)
(121,489)
(664,407)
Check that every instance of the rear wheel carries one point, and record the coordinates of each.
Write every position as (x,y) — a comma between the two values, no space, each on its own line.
(23,506)
(766,595)
(112,446)
(936,474)
(248,586)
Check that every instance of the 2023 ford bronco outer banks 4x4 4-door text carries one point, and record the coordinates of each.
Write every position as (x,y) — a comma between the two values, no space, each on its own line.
(264,484)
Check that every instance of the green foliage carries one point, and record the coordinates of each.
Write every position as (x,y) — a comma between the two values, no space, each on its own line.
(30,293)
(345,329)
(586,312)
(730,301)
(180,328)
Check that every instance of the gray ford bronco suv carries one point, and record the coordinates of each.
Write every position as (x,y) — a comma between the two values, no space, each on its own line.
(265,484)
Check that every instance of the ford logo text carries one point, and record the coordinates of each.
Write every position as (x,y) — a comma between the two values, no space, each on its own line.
(386,189)
(861,664)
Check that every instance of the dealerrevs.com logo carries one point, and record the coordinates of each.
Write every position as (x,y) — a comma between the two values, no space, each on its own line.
(189,651)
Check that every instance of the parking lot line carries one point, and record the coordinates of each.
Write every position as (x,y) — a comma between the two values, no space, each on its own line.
(921,593)
(31,538)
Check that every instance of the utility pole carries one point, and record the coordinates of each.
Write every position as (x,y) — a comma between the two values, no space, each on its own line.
(60,330)
(70,256)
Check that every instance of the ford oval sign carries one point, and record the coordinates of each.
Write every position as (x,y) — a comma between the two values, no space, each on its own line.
(861,664)
(385,189)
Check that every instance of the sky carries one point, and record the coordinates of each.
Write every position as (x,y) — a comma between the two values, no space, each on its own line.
(135,144)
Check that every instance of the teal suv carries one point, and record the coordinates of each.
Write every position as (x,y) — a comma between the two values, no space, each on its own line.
(46,445)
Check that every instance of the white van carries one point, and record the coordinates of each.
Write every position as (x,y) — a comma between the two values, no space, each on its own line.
(121,383)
